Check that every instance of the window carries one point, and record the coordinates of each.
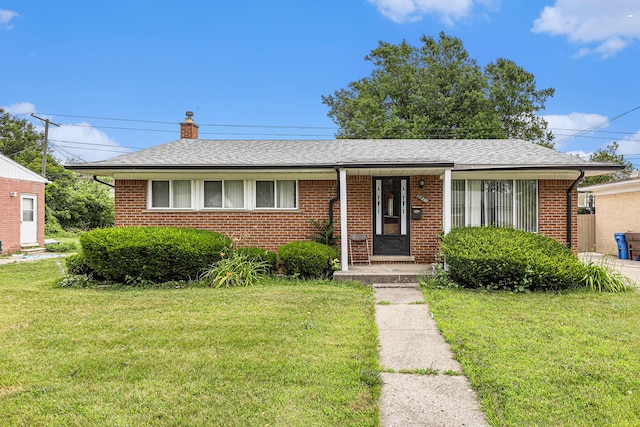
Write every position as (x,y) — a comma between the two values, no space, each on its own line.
(499,203)
(224,194)
(171,194)
(276,194)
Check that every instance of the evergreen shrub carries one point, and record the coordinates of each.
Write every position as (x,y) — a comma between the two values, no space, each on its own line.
(501,258)
(306,259)
(156,254)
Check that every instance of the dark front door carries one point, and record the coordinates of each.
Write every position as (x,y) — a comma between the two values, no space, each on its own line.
(391,216)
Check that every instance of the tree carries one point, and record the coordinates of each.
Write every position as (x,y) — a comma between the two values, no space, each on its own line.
(19,139)
(71,200)
(513,95)
(609,155)
(438,91)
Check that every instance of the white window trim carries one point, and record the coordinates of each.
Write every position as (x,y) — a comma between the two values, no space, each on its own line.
(170,180)
(275,195)
(197,195)
(467,201)
(200,193)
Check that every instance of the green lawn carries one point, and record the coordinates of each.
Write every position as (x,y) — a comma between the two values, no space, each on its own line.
(276,354)
(547,359)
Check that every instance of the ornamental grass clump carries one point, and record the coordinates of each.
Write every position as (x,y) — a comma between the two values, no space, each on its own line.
(500,258)
(235,269)
(602,277)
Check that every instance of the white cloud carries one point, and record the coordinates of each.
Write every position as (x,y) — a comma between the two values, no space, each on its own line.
(601,28)
(579,153)
(629,145)
(567,125)
(20,108)
(5,18)
(401,11)
(73,142)
(81,142)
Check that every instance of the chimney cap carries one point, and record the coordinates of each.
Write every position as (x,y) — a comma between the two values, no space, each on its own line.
(189,118)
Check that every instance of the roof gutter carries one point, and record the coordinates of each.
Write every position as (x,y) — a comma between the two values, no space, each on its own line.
(569,207)
(95,178)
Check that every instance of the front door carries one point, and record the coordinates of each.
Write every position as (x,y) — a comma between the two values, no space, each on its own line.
(28,219)
(391,216)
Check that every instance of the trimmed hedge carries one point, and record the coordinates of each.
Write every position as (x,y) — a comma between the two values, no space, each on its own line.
(157,254)
(306,259)
(501,258)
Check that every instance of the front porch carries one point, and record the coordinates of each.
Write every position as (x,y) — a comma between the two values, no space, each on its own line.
(393,274)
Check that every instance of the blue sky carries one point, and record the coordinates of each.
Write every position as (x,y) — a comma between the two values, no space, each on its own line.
(120,75)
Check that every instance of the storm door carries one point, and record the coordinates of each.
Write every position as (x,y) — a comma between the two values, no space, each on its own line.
(391,216)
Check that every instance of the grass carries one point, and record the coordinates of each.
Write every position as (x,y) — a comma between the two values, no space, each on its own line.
(546,359)
(276,354)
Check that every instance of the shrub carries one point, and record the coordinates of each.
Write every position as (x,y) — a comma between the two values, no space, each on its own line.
(500,258)
(260,255)
(306,259)
(235,270)
(77,265)
(152,254)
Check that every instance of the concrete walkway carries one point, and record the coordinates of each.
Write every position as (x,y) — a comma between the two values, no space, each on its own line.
(412,350)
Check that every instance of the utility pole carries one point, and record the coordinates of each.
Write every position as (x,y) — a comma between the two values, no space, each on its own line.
(46,141)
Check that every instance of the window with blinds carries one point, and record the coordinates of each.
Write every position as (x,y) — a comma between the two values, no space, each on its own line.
(497,203)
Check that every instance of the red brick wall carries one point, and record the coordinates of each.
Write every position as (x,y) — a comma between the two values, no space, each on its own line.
(425,240)
(266,229)
(273,229)
(552,211)
(10,212)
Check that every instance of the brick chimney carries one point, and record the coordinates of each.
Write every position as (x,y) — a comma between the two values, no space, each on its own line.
(188,129)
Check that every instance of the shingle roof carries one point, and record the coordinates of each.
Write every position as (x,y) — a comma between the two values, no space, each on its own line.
(459,154)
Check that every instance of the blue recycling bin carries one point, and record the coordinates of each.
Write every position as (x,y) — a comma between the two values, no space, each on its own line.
(623,247)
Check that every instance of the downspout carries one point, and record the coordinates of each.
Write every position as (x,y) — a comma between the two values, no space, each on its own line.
(569,207)
(334,199)
(95,178)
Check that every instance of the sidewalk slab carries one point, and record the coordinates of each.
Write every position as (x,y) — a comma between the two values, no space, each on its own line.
(410,339)
(398,295)
(429,400)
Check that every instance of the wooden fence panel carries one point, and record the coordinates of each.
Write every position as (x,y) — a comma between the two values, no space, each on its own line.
(586,233)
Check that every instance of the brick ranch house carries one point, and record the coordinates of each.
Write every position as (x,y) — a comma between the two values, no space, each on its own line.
(21,207)
(401,194)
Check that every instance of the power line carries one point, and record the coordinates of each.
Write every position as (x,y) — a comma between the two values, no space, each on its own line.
(599,125)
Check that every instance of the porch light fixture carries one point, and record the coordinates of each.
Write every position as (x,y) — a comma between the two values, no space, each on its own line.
(13,194)
(421,183)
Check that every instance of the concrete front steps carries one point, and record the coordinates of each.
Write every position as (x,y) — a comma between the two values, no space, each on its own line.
(391,274)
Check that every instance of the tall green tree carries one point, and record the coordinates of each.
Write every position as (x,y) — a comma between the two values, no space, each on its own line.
(513,95)
(609,154)
(19,139)
(71,201)
(437,90)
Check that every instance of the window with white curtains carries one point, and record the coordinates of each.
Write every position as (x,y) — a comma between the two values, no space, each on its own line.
(224,194)
(498,203)
(280,194)
(174,194)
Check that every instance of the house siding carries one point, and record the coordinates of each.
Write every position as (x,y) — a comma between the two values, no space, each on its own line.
(10,213)
(615,213)
(271,229)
